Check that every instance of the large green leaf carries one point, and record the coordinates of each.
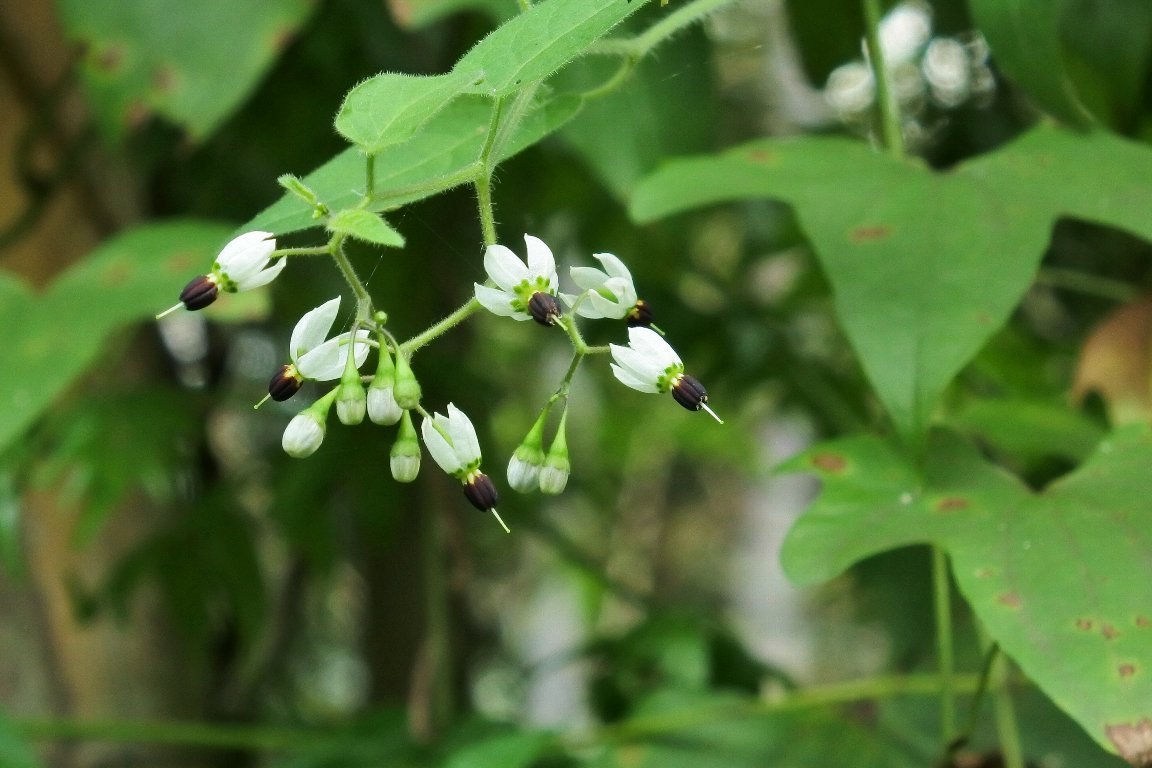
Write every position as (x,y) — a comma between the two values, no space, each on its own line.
(56,336)
(1059,578)
(533,45)
(427,164)
(924,266)
(193,63)
(390,108)
(14,752)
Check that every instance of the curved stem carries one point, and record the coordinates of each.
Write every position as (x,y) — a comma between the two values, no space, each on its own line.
(890,125)
(363,298)
(447,324)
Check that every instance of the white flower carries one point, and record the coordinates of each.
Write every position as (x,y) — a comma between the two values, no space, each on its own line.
(649,364)
(452,442)
(303,435)
(318,359)
(243,264)
(609,293)
(516,282)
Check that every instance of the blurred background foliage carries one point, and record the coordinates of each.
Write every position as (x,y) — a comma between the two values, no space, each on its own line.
(178,592)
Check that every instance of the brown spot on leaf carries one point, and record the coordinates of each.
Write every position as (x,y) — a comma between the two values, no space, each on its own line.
(870,234)
(984,318)
(984,573)
(283,37)
(761,156)
(402,12)
(1133,741)
(951,504)
(1126,670)
(829,462)
(1084,624)
(1143,622)
(109,59)
(1009,599)
(164,79)
(115,273)
(180,262)
(1109,632)
(137,114)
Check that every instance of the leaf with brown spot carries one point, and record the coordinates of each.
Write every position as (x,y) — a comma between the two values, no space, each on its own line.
(1054,576)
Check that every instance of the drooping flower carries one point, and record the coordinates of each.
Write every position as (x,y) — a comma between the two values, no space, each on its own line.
(649,364)
(243,264)
(382,405)
(312,356)
(557,467)
(610,292)
(453,444)
(528,458)
(523,291)
(404,458)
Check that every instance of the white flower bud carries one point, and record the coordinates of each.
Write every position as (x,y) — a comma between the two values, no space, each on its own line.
(382,405)
(303,435)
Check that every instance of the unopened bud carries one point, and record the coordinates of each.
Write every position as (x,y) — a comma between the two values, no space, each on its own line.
(382,405)
(524,466)
(351,402)
(554,473)
(305,432)
(407,389)
(405,456)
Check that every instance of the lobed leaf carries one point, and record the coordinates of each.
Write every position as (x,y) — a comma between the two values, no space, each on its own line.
(366,226)
(535,44)
(924,266)
(426,165)
(390,108)
(1059,578)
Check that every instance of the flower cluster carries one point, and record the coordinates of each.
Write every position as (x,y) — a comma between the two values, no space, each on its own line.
(518,289)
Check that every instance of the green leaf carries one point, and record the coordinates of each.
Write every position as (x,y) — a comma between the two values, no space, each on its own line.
(1059,578)
(1025,38)
(416,14)
(429,163)
(511,750)
(924,267)
(390,108)
(366,226)
(193,64)
(1107,52)
(538,42)
(60,334)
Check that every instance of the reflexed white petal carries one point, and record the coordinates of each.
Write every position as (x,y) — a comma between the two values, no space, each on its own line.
(640,365)
(613,266)
(263,277)
(623,290)
(326,362)
(540,260)
(587,277)
(605,307)
(311,329)
(496,302)
(463,435)
(629,379)
(651,344)
(246,254)
(439,447)
(503,267)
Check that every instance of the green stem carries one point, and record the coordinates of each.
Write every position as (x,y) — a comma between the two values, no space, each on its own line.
(1088,284)
(1007,729)
(669,25)
(370,177)
(618,78)
(363,298)
(484,205)
(466,175)
(890,126)
(509,121)
(447,324)
(317,250)
(942,592)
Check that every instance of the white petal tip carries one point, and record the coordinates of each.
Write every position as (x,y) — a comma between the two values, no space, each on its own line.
(500,520)
(712,413)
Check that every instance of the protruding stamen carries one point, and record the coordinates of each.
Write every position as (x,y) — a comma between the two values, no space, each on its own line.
(170,310)
(500,520)
(544,308)
(712,413)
